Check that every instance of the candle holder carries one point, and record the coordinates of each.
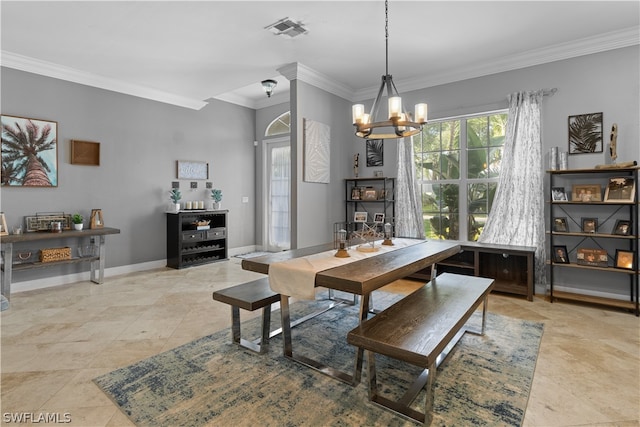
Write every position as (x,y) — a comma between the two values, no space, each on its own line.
(342,245)
(387,235)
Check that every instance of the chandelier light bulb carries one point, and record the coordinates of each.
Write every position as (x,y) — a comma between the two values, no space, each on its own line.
(395,106)
(421,113)
(358,112)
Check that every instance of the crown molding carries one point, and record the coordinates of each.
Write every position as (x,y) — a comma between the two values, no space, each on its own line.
(49,69)
(625,37)
(299,71)
(608,41)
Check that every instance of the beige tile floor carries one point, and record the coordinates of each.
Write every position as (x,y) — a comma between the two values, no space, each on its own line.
(54,341)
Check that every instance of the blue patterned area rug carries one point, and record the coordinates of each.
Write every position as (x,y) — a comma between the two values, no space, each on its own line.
(485,381)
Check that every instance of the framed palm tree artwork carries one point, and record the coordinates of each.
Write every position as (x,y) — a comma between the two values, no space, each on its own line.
(585,133)
(29,152)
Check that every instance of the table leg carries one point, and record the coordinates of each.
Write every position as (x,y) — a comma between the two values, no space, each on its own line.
(97,266)
(287,343)
(8,269)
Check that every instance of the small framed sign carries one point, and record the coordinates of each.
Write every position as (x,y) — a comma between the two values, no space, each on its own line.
(188,169)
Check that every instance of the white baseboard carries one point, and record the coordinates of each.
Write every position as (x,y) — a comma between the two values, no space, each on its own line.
(542,290)
(48,282)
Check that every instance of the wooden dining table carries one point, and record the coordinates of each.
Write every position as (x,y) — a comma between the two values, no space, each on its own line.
(360,277)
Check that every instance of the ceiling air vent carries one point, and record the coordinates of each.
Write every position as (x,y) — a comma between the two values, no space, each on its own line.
(286,27)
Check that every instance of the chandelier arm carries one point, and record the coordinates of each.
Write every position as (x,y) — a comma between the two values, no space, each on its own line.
(376,102)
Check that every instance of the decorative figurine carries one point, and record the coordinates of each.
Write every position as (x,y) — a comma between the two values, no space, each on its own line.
(355,164)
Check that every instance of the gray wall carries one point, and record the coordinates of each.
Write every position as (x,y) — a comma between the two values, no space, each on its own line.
(140,142)
(606,82)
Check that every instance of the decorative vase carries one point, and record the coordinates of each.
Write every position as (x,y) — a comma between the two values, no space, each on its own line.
(217,206)
(177,207)
(78,226)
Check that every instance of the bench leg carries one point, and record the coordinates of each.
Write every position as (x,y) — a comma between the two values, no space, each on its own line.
(430,388)
(236,335)
(484,319)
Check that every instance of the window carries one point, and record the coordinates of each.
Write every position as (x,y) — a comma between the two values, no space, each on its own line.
(280,125)
(457,167)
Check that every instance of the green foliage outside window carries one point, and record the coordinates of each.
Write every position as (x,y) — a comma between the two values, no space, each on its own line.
(439,155)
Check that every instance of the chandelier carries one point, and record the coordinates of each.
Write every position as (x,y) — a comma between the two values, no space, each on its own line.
(399,123)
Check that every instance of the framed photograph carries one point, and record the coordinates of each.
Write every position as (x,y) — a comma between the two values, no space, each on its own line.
(622,189)
(592,257)
(375,152)
(622,228)
(369,194)
(20,138)
(560,224)
(85,153)
(188,169)
(360,217)
(355,193)
(589,225)
(560,255)
(558,194)
(625,260)
(585,133)
(378,218)
(586,193)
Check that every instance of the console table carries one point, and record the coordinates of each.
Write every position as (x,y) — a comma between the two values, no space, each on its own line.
(96,235)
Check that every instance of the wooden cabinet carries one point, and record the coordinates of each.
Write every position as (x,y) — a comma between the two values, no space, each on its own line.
(512,267)
(189,244)
(370,195)
(605,228)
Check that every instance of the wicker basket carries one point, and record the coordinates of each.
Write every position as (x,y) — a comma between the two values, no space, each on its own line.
(55,254)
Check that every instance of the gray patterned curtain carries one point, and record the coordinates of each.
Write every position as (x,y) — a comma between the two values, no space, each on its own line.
(408,207)
(517,214)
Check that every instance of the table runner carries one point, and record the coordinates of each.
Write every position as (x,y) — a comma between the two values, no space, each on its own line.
(296,277)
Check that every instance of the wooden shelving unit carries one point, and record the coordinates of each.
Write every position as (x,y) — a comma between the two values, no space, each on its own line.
(605,211)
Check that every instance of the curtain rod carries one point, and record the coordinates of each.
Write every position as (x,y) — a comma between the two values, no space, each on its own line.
(549,92)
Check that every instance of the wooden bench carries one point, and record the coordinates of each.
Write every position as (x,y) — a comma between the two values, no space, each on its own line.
(250,296)
(421,329)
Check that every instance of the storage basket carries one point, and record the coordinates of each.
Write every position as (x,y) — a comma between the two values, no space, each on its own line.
(55,254)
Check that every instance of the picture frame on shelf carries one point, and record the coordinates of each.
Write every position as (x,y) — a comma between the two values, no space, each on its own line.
(586,193)
(558,194)
(625,260)
(560,255)
(560,225)
(369,194)
(620,190)
(592,257)
(360,217)
(378,218)
(589,225)
(355,193)
(585,133)
(622,228)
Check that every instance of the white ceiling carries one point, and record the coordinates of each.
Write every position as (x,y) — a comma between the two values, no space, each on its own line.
(187,52)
